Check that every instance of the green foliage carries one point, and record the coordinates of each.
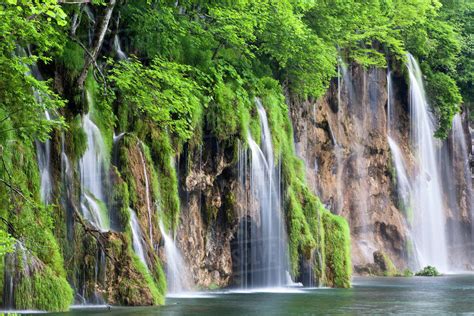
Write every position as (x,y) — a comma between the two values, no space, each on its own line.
(407,273)
(446,100)
(428,271)
(163,92)
(24,23)
(6,243)
(72,59)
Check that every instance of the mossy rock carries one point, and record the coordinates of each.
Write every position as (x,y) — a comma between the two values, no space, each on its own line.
(338,254)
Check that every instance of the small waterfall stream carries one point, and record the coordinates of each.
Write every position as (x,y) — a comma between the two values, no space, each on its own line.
(118,48)
(177,276)
(137,237)
(43,150)
(429,220)
(147,193)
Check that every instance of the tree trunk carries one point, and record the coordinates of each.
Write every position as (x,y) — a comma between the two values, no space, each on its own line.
(92,57)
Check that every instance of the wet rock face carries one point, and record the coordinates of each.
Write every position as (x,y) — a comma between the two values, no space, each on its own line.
(207,224)
(342,138)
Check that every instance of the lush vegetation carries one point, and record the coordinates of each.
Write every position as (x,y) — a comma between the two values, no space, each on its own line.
(428,271)
(194,69)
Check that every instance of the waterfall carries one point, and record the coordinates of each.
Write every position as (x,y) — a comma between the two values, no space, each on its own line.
(263,246)
(177,274)
(389,103)
(429,221)
(18,265)
(137,237)
(91,168)
(403,182)
(147,194)
(66,187)
(43,151)
(118,49)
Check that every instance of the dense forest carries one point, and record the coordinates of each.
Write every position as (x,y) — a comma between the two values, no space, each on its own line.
(106,107)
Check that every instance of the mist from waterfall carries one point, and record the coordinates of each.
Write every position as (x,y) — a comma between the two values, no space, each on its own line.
(177,272)
(429,220)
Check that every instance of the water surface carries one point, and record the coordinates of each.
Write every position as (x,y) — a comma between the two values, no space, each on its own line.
(416,295)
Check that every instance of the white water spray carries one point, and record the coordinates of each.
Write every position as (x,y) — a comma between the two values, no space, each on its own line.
(179,280)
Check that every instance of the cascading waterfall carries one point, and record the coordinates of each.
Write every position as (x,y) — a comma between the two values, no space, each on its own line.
(177,276)
(137,237)
(91,168)
(263,247)
(147,194)
(429,220)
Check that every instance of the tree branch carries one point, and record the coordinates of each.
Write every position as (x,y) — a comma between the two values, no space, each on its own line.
(75,39)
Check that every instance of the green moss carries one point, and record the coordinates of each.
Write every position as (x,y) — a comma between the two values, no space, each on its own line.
(158,291)
(100,111)
(160,278)
(301,239)
(337,247)
(72,59)
(162,154)
(390,270)
(228,115)
(43,291)
(77,143)
(120,201)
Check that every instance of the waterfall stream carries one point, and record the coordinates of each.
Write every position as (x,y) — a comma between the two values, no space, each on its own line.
(137,237)
(118,48)
(262,242)
(429,221)
(91,167)
(177,276)
(43,150)
(147,194)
